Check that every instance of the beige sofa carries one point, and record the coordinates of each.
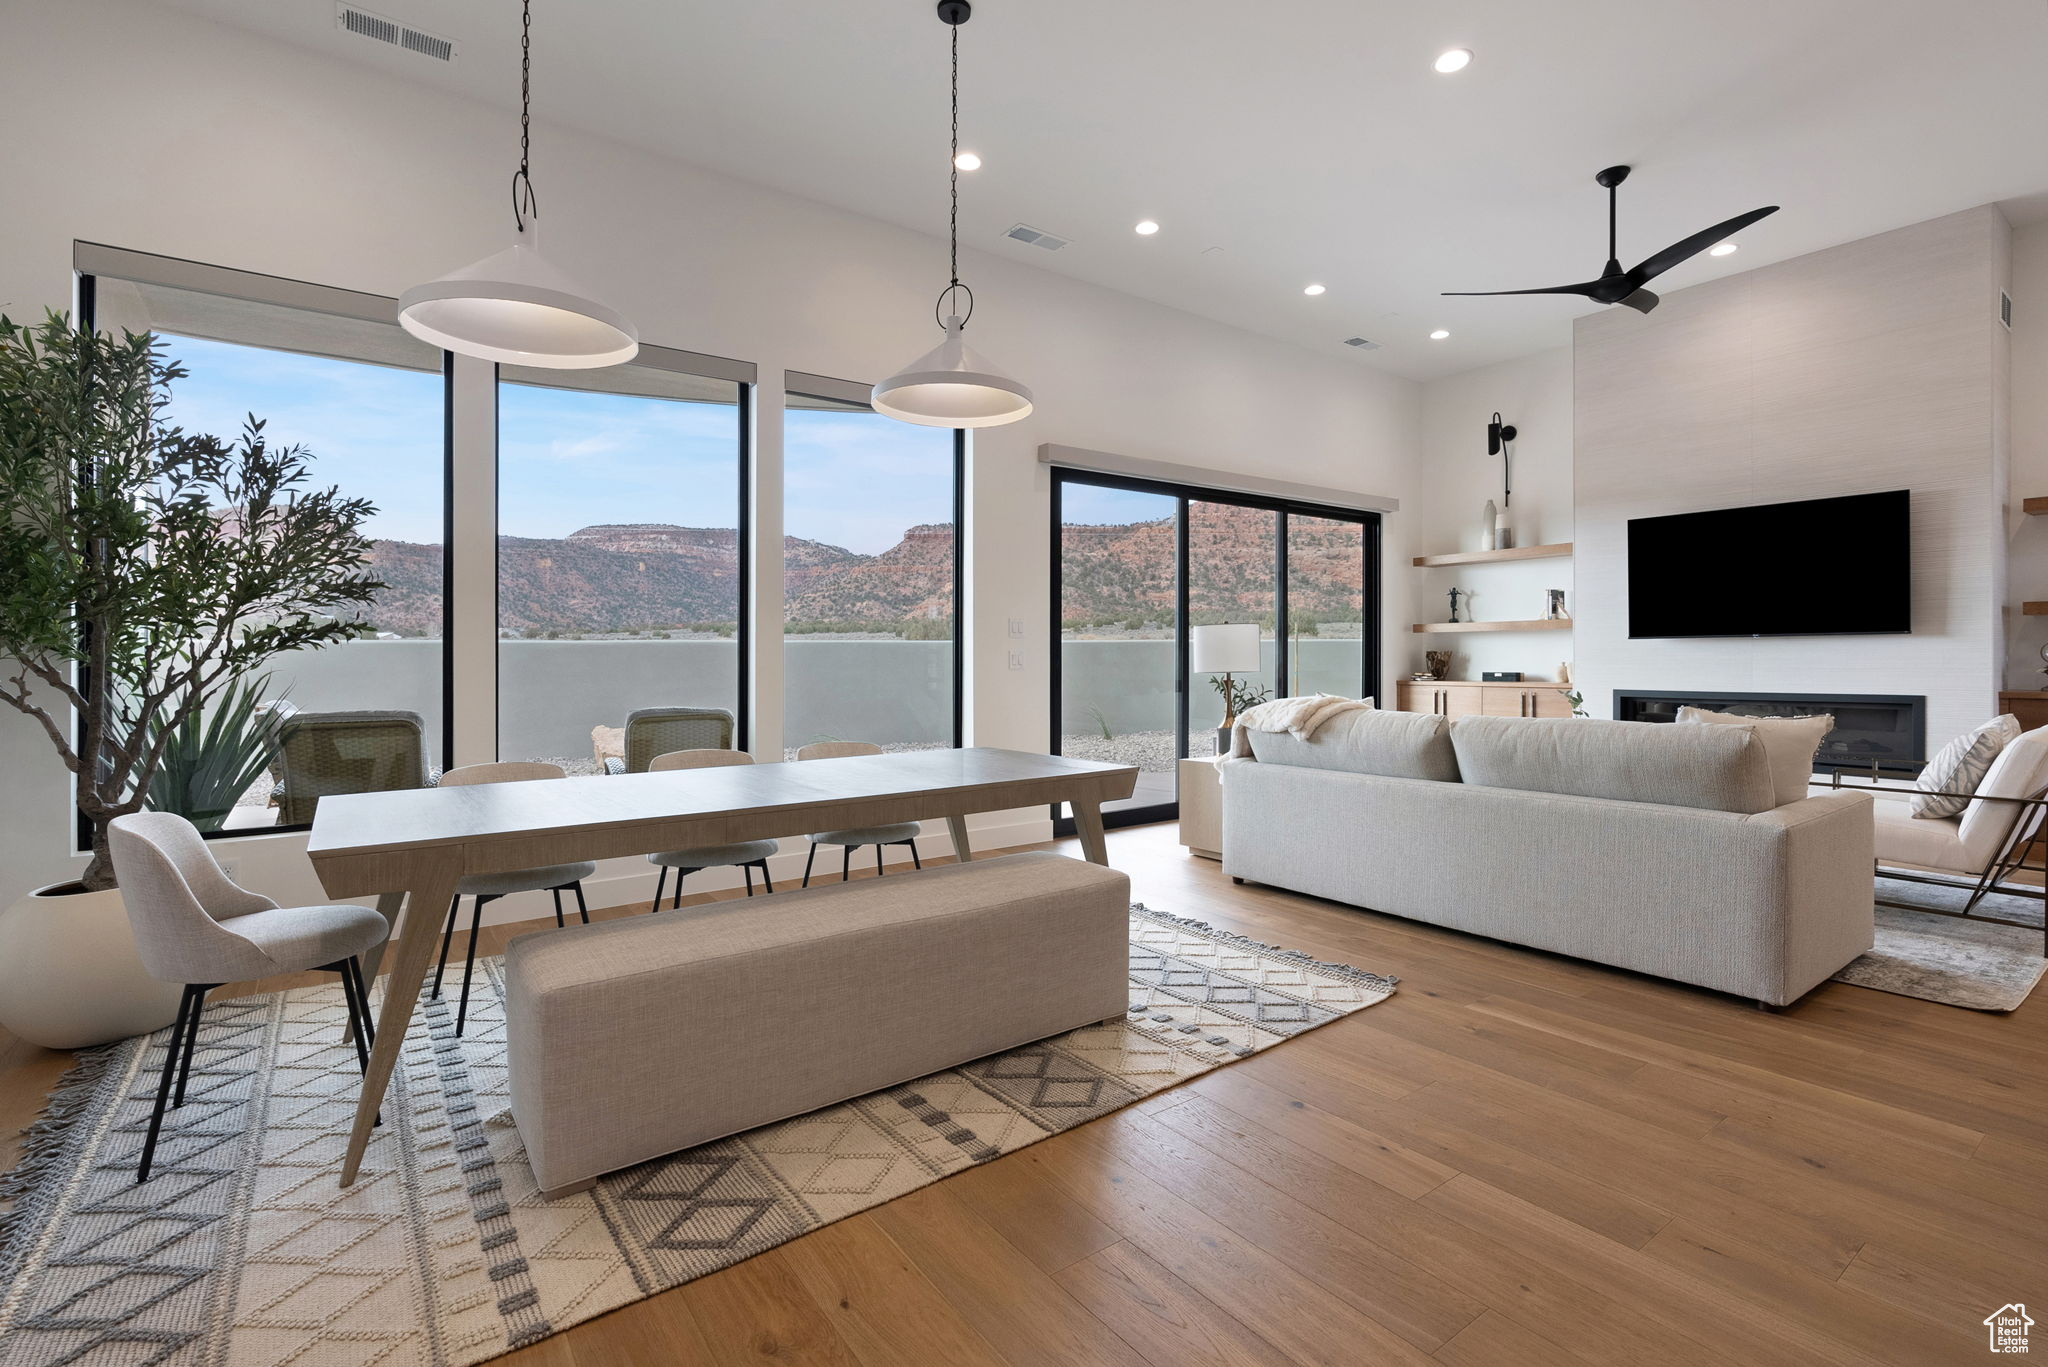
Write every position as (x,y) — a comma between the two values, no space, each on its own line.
(633,1038)
(1657,848)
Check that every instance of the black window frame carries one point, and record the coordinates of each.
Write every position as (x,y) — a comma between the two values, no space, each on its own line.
(1371,664)
(279,291)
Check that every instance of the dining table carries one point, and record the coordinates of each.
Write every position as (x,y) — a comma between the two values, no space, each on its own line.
(410,848)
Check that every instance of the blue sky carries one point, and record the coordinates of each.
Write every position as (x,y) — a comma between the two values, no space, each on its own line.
(1092,505)
(567,458)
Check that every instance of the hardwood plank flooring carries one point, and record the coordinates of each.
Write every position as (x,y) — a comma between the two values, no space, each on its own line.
(1519,1158)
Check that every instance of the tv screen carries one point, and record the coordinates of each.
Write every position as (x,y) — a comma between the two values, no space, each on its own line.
(1820,567)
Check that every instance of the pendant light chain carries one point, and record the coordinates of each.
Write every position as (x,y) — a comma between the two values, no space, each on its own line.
(953,162)
(523,202)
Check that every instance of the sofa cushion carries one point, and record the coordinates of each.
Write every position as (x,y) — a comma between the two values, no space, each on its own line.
(1716,768)
(1392,744)
(1790,742)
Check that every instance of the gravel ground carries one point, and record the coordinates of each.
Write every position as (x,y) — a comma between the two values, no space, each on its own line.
(1151,751)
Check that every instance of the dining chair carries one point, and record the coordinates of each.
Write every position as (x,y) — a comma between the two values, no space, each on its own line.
(489,887)
(652,731)
(897,833)
(196,926)
(747,855)
(325,753)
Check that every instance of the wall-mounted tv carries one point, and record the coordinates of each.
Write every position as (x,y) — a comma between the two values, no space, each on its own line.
(1819,567)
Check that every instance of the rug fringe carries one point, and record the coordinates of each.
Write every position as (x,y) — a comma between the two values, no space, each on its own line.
(46,1146)
(1346,971)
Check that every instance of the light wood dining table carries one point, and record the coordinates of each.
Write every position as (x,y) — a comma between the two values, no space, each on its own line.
(409,848)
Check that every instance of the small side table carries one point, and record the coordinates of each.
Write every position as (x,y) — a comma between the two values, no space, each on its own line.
(1201,807)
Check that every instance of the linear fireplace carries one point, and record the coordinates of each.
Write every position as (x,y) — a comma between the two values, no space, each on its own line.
(1887,729)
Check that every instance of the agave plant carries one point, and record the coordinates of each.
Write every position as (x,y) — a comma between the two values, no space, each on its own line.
(211,758)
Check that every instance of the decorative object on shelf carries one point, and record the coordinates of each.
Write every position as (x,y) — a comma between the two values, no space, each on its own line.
(1455,595)
(134,597)
(514,306)
(1618,286)
(1439,662)
(2044,659)
(1564,671)
(1227,649)
(1555,610)
(1489,527)
(951,386)
(1500,676)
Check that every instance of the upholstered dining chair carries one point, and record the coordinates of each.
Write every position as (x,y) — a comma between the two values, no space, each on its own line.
(652,731)
(747,855)
(899,833)
(196,926)
(484,888)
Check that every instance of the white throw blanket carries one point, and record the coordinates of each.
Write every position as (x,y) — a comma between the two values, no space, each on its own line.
(1298,717)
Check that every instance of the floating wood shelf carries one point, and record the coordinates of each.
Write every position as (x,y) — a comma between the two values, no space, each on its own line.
(1560,624)
(1516,553)
(2034,609)
(2036,506)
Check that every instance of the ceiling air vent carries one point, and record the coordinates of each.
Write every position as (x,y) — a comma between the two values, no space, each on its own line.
(1037,237)
(365,24)
(1361,344)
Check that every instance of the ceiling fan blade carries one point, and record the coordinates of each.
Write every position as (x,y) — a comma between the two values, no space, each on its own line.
(1663,261)
(1585,289)
(1642,301)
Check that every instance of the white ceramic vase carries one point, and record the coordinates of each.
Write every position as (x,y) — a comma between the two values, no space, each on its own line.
(70,975)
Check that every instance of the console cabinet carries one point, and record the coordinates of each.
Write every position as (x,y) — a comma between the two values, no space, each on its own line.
(1464,698)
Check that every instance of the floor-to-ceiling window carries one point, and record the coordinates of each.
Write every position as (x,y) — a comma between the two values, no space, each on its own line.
(621,527)
(366,400)
(1138,563)
(871,570)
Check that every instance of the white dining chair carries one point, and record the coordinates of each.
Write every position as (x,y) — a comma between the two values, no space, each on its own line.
(196,926)
(483,888)
(897,833)
(746,855)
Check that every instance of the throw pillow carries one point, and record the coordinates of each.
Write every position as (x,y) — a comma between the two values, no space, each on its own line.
(1950,779)
(1790,744)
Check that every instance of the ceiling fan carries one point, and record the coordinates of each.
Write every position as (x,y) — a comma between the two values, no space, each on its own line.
(1618,286)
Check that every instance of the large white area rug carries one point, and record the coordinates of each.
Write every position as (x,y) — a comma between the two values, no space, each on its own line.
(241,1248)
(1976,964)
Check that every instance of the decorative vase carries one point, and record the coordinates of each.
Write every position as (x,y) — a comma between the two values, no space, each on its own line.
(70,975)
(1503,532)
(1491,519)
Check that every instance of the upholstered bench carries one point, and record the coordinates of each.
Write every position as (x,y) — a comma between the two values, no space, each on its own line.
(633,1038)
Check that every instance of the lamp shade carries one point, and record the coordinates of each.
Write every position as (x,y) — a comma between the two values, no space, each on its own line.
(1227,648)
(951,386)
(516,308)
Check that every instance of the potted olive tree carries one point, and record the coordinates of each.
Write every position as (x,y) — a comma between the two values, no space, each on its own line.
(143,570)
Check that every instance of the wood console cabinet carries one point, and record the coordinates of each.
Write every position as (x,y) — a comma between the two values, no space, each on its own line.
(1464,698)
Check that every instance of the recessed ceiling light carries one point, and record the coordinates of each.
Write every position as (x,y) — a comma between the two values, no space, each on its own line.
(1457,59)
(1312,289)
(1146,228)
(968,161)
(1722,249)
(1439,334)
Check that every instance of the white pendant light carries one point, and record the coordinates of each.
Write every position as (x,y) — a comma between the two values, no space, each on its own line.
(513,306)
(951,386)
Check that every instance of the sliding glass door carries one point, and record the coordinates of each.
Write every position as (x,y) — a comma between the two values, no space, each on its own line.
(1137,563)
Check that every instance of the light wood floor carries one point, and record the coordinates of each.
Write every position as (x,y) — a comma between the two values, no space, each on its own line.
(1519,1159)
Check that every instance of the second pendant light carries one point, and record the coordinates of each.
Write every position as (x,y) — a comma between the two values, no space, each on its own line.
(951,386)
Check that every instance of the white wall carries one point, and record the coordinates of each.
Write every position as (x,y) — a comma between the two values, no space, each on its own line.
(1535,394)
(1875,365)
(2027,537)
(142,127)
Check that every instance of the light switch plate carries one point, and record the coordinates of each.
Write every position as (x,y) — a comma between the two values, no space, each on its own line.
(1016,626)
(1016,659)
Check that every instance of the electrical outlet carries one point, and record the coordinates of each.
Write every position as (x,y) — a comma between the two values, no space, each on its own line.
(228,867)
(1016,659)
(1016,626)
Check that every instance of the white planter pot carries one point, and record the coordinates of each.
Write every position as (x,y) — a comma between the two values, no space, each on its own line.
(70,975)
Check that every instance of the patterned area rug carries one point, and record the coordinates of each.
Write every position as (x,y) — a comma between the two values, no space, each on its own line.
(241,1248)
(1973,964)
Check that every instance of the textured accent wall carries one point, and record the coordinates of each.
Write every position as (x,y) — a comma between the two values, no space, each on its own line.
(1875,365)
